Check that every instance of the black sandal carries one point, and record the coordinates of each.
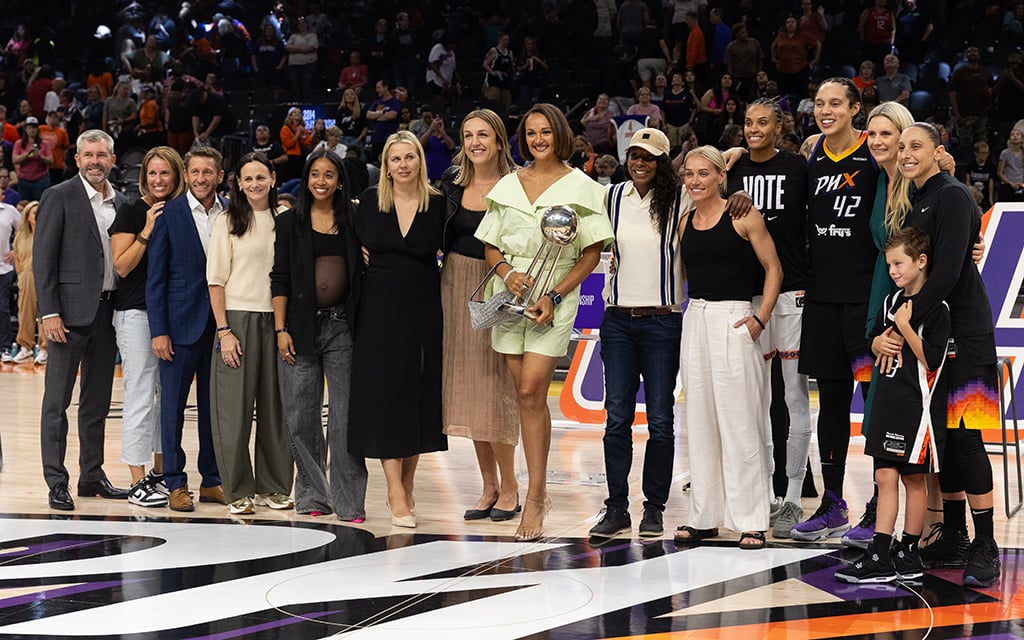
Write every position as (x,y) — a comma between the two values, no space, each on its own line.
(752,540)
(688,535)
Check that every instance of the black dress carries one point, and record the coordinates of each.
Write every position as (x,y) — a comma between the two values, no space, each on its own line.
(396,359)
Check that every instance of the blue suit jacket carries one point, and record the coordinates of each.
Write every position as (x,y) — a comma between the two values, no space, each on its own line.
(177,297)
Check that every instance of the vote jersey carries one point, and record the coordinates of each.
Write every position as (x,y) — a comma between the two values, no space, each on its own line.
(778,187)
(840,195)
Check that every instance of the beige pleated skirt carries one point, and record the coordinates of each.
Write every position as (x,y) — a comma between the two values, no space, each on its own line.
(479,399)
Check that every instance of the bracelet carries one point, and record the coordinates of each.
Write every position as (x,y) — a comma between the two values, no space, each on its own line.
(143,240)
(510,272)
(283,329)
(758,321)
(223,329)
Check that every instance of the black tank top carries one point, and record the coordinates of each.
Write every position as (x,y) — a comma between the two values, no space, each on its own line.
(720,264)
(841,194)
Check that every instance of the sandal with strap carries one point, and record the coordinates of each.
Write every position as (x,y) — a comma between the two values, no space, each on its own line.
(531,526)
(688,535)
(752,540)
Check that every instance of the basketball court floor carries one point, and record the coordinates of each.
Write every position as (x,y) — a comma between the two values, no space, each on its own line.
(113,570)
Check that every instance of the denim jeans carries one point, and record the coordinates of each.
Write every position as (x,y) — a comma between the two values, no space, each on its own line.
(632,347)
(33,189)
(344,490)
(7,281)
(140,423)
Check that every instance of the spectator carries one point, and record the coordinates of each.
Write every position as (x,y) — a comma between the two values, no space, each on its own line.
(28,313)
(8,97)
(269,57)
(355,75)
(531,70)
(644,107)
(500,65)
(970,95)
(150,131)
(865,75)
(178,118)
(1009,94)
(914,29)
(296,143)
(71,115)
(712,105)
(8,132)
(149,64)
(696,47)
(423,123)
(812,20)
(8,195)
(598,126)
(405,54)
(378,51)
(868,101)
(943,119)
(52,99)
(92,114)
(790,51)
(383,113)
(632,18)
(271,149)
(877,31)
(893,86)
(120,113)
(332,142)
(981,174)
(301,47)
(211,117)
(350,119)
(680,107)
(744,57)
(658,90)
(17,48)
(652,55)
(441,67)
(57,139)
(33,158)
(606,10)
(38,86)
(605,168)
(437,149)
(721,36)
(1010,168)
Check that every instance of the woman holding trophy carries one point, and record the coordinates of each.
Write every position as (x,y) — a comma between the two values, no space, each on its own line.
(511,231)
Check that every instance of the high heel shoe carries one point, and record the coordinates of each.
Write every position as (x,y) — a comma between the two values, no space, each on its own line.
(528,532)
(409,522)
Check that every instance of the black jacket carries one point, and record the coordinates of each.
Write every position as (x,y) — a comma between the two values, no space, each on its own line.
(293,276)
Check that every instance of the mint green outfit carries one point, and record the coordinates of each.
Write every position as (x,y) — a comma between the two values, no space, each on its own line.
(512,225)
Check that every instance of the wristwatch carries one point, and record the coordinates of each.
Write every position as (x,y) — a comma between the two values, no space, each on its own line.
(555,297)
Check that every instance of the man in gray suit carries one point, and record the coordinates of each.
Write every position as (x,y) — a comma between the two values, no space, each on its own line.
(75,286)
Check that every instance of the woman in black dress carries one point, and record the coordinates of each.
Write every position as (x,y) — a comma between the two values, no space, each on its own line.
(396,395)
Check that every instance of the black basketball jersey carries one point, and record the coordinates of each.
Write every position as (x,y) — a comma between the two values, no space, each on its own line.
(840,196)
(778,187)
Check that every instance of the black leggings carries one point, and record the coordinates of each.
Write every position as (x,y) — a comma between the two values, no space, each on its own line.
(834,398)
(965,464)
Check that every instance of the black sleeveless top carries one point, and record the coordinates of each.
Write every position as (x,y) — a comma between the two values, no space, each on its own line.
(720,264)
(464,225)
(841,195)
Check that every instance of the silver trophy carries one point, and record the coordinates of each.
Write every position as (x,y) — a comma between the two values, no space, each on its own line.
(558,225)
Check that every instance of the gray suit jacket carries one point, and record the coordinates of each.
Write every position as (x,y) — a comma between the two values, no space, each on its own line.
(67,254)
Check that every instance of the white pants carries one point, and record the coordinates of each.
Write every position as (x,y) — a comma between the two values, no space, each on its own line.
(723,379)
(782,337)
(140,428)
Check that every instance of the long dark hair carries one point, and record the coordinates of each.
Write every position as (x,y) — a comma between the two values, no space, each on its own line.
(664,192)
(342,204)
(239,213)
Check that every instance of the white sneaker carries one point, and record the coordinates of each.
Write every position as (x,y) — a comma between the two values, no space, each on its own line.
(274,501)
(41,357)
(242,506)
(6,356)
(23,356)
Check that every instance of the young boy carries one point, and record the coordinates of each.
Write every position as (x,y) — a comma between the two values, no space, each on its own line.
(982,174)
(904,426)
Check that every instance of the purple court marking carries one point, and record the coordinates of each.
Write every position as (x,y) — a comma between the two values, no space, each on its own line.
(237,633)
(825,580)
(50,594)
(60,545)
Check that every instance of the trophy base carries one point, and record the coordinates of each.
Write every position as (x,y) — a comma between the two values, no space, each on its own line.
(520,310)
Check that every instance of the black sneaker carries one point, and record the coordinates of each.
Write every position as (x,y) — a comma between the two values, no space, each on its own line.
(948,548)
(982,563)
(907,560)
(652,524)
(869,568)
(612,524)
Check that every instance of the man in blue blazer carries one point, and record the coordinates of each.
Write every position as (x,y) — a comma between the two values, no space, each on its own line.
(181,323)
(75,285)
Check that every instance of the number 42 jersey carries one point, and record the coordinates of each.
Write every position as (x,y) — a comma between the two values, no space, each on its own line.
(841,192)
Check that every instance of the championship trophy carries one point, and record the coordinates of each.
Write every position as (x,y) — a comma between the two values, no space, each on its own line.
(558,225)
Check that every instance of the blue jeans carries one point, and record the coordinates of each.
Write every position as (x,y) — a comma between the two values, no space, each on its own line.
(302,396)
(33,189)
(631,347)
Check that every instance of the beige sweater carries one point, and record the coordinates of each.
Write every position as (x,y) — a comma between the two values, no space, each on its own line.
(242,264)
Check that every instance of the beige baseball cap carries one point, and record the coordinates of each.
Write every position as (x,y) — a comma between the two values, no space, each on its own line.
(651,140)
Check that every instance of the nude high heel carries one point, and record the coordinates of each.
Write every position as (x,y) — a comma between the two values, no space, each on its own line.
(527,531)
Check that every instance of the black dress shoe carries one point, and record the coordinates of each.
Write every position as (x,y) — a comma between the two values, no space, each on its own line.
(101,488)
(479,514)
(60,498)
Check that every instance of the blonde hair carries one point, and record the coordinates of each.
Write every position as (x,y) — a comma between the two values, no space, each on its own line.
(171,157)
(385,186)
(712,155)
(24,235)
(506,164)
(356,107)
(897,206)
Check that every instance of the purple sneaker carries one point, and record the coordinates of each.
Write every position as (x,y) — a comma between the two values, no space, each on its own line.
(864,532)
(831,519)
